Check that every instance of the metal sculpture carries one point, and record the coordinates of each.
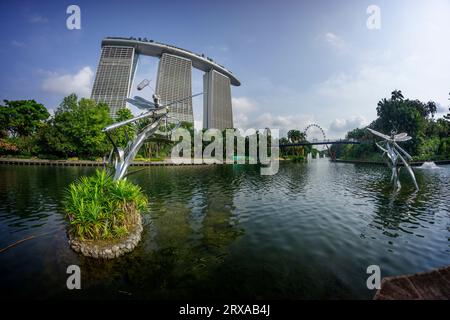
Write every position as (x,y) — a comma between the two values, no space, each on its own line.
(392,152)
(156,112)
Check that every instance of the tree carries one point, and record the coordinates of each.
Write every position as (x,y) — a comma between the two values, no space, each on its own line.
(21,118)
(76,129)
(403,115)
(295,135)
(123,134)
(397,95)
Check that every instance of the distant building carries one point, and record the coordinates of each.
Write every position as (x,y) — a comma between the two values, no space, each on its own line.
(117,67)
(174,82)
(114,76)
(217,112)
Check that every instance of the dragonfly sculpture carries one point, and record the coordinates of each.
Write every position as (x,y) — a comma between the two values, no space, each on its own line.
(392,152)
(156,113)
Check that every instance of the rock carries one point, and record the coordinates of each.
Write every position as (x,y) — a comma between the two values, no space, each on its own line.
(92,248)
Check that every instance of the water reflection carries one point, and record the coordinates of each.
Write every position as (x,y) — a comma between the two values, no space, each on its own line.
(226,231)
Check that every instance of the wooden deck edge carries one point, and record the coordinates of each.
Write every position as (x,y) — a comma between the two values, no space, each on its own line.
(430,285)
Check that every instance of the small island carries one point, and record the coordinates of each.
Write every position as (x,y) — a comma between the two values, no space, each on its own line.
(104,215)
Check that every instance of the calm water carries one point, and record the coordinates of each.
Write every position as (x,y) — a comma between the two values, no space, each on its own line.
(225,231)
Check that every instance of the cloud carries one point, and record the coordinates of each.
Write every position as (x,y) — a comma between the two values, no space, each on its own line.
(339,126)
(18,44)
(79,83)
(441,109)
(37,18)
(243,105)
(268,120)
(334,40)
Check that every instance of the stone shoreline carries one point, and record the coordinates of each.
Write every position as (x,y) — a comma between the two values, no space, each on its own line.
(108,250)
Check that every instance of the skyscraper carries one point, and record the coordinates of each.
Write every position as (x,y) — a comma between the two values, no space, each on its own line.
(114,76)
(217,112)
(118,63)
(174,82)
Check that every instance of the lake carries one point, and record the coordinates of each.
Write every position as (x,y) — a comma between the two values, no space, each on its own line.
(225,231)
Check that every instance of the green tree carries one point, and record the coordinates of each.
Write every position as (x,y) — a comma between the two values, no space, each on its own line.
(123,134)
(296,136)
(76,129)
(404,115)
(21,118)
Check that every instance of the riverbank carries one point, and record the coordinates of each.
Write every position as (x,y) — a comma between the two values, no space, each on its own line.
(91,163)
(86,163)
(414,163)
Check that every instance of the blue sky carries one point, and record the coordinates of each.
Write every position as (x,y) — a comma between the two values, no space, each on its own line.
(298,61)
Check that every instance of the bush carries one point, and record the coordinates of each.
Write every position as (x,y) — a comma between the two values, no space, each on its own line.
(7,147)
(99,208)
(298,158)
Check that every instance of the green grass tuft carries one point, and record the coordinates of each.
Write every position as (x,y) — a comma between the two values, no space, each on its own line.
(99,208)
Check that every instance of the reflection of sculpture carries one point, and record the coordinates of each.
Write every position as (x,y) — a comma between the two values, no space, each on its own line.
(120,158)
(393,152)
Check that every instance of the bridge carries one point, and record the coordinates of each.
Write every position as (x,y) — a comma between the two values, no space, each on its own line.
(319,142)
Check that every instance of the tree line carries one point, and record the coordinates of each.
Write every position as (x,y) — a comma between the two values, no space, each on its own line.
(430,136)
(75,131)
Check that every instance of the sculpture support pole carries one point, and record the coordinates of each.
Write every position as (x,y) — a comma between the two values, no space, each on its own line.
(394,152)
(122,166)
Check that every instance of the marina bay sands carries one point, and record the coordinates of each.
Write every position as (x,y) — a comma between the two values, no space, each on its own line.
(119,61)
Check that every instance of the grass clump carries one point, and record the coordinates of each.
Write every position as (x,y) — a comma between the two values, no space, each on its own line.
(99,208)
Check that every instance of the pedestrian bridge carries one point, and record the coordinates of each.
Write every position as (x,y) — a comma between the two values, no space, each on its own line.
(319,142)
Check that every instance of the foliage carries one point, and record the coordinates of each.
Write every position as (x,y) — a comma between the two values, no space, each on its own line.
(100,208)
(296,136)
(404,115)
(21,117)
(122,135)
(76,129)
(429,136)
(7,147)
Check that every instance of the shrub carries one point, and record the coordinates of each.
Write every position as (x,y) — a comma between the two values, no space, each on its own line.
(99,208)
(7,147)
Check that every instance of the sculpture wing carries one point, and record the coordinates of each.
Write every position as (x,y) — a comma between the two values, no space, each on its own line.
(379,134)
(400,135)
(141,103)
(402,139)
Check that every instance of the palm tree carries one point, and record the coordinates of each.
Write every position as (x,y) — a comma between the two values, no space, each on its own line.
(397,95)
(294,135)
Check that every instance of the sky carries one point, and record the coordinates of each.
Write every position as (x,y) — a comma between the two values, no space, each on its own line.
(299,62)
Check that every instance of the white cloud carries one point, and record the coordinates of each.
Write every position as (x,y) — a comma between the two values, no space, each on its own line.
(79,83)
(334,41)
(243,105)
(342,126)
(441,109)
(282,122)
